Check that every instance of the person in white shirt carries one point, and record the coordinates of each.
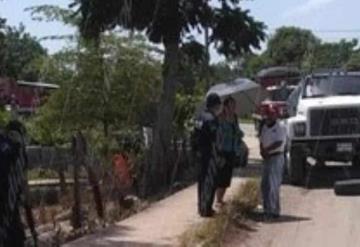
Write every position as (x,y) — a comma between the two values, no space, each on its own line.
(272,147)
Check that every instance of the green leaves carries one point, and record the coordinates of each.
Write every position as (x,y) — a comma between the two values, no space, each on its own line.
(291,45)
(50,13)
(300,47)
(19,50)
(2,46)
(332,55)
(234,31)
(111,85)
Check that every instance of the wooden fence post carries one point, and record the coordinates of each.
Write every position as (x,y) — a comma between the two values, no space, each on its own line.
(93,181)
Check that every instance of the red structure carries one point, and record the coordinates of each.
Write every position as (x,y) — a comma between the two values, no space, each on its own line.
(25,96)
(278,82)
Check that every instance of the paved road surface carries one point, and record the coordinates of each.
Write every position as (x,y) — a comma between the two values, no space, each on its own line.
(313,217)
(160,225)
(163,222)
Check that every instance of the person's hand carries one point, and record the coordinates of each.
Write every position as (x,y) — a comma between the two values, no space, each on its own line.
(263,152)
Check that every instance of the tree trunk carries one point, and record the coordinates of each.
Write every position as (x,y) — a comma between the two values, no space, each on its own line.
(176,161)
(163,127)
(79,151)
(207,65)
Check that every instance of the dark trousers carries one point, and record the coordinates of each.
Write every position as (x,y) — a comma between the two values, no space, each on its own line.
(225,172)
(15,233)
(206,186)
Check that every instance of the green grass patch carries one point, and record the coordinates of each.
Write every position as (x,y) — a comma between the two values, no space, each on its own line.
(40,173)
(247,121)
(211,232)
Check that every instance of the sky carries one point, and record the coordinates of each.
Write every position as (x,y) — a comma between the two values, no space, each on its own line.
(330,20)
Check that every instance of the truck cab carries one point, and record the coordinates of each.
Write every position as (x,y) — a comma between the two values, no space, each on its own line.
(324,122)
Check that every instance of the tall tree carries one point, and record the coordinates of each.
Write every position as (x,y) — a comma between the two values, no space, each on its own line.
(2,45)
(331,55)
(254,63)
(291,45)
(21,50)
(233,31)
(129,68)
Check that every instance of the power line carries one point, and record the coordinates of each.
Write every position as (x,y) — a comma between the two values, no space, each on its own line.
(327,30)
(337,31)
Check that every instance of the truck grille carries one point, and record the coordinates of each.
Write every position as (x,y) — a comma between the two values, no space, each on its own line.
(335,122)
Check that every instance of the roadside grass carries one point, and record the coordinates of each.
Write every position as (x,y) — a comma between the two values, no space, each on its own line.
(247,120)
(41,173)
(211,232)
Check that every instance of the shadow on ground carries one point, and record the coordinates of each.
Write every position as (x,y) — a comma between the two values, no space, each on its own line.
(326,177)
(317,177)
(102,239)
(114,243)
(258,217)
(253,170)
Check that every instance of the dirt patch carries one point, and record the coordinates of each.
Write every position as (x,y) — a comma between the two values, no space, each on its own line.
(233,217)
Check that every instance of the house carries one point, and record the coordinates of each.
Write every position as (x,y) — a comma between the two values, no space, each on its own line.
(24,96)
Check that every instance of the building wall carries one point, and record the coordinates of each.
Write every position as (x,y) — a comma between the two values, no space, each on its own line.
(23,96)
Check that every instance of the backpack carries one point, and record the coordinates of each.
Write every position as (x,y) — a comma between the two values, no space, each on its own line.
(242,159)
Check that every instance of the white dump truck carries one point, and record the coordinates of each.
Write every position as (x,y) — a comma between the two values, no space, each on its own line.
(324,122)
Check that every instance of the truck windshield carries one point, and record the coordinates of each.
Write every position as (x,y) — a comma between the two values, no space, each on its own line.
(332,86)
(281,94)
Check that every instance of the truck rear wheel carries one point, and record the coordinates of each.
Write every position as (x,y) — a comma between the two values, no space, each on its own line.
(347,187)
(296,167)
(356,162)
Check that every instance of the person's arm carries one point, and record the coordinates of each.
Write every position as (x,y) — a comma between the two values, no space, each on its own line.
(262,151)
(273,146)
(278,143)
(239,131)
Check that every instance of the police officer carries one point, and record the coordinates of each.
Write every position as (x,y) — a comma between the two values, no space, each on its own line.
(209,158)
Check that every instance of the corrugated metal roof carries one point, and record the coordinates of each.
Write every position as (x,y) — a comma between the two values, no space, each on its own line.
(38,84)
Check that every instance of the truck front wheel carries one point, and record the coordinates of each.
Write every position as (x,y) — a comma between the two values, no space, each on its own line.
(296,167)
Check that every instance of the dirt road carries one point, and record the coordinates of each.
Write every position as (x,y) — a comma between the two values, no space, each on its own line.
(313,217)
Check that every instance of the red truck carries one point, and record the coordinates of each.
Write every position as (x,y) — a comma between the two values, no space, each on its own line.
(278,82)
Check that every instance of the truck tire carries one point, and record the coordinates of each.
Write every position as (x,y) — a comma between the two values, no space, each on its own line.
(296,167)
(347,187)
(356,162)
